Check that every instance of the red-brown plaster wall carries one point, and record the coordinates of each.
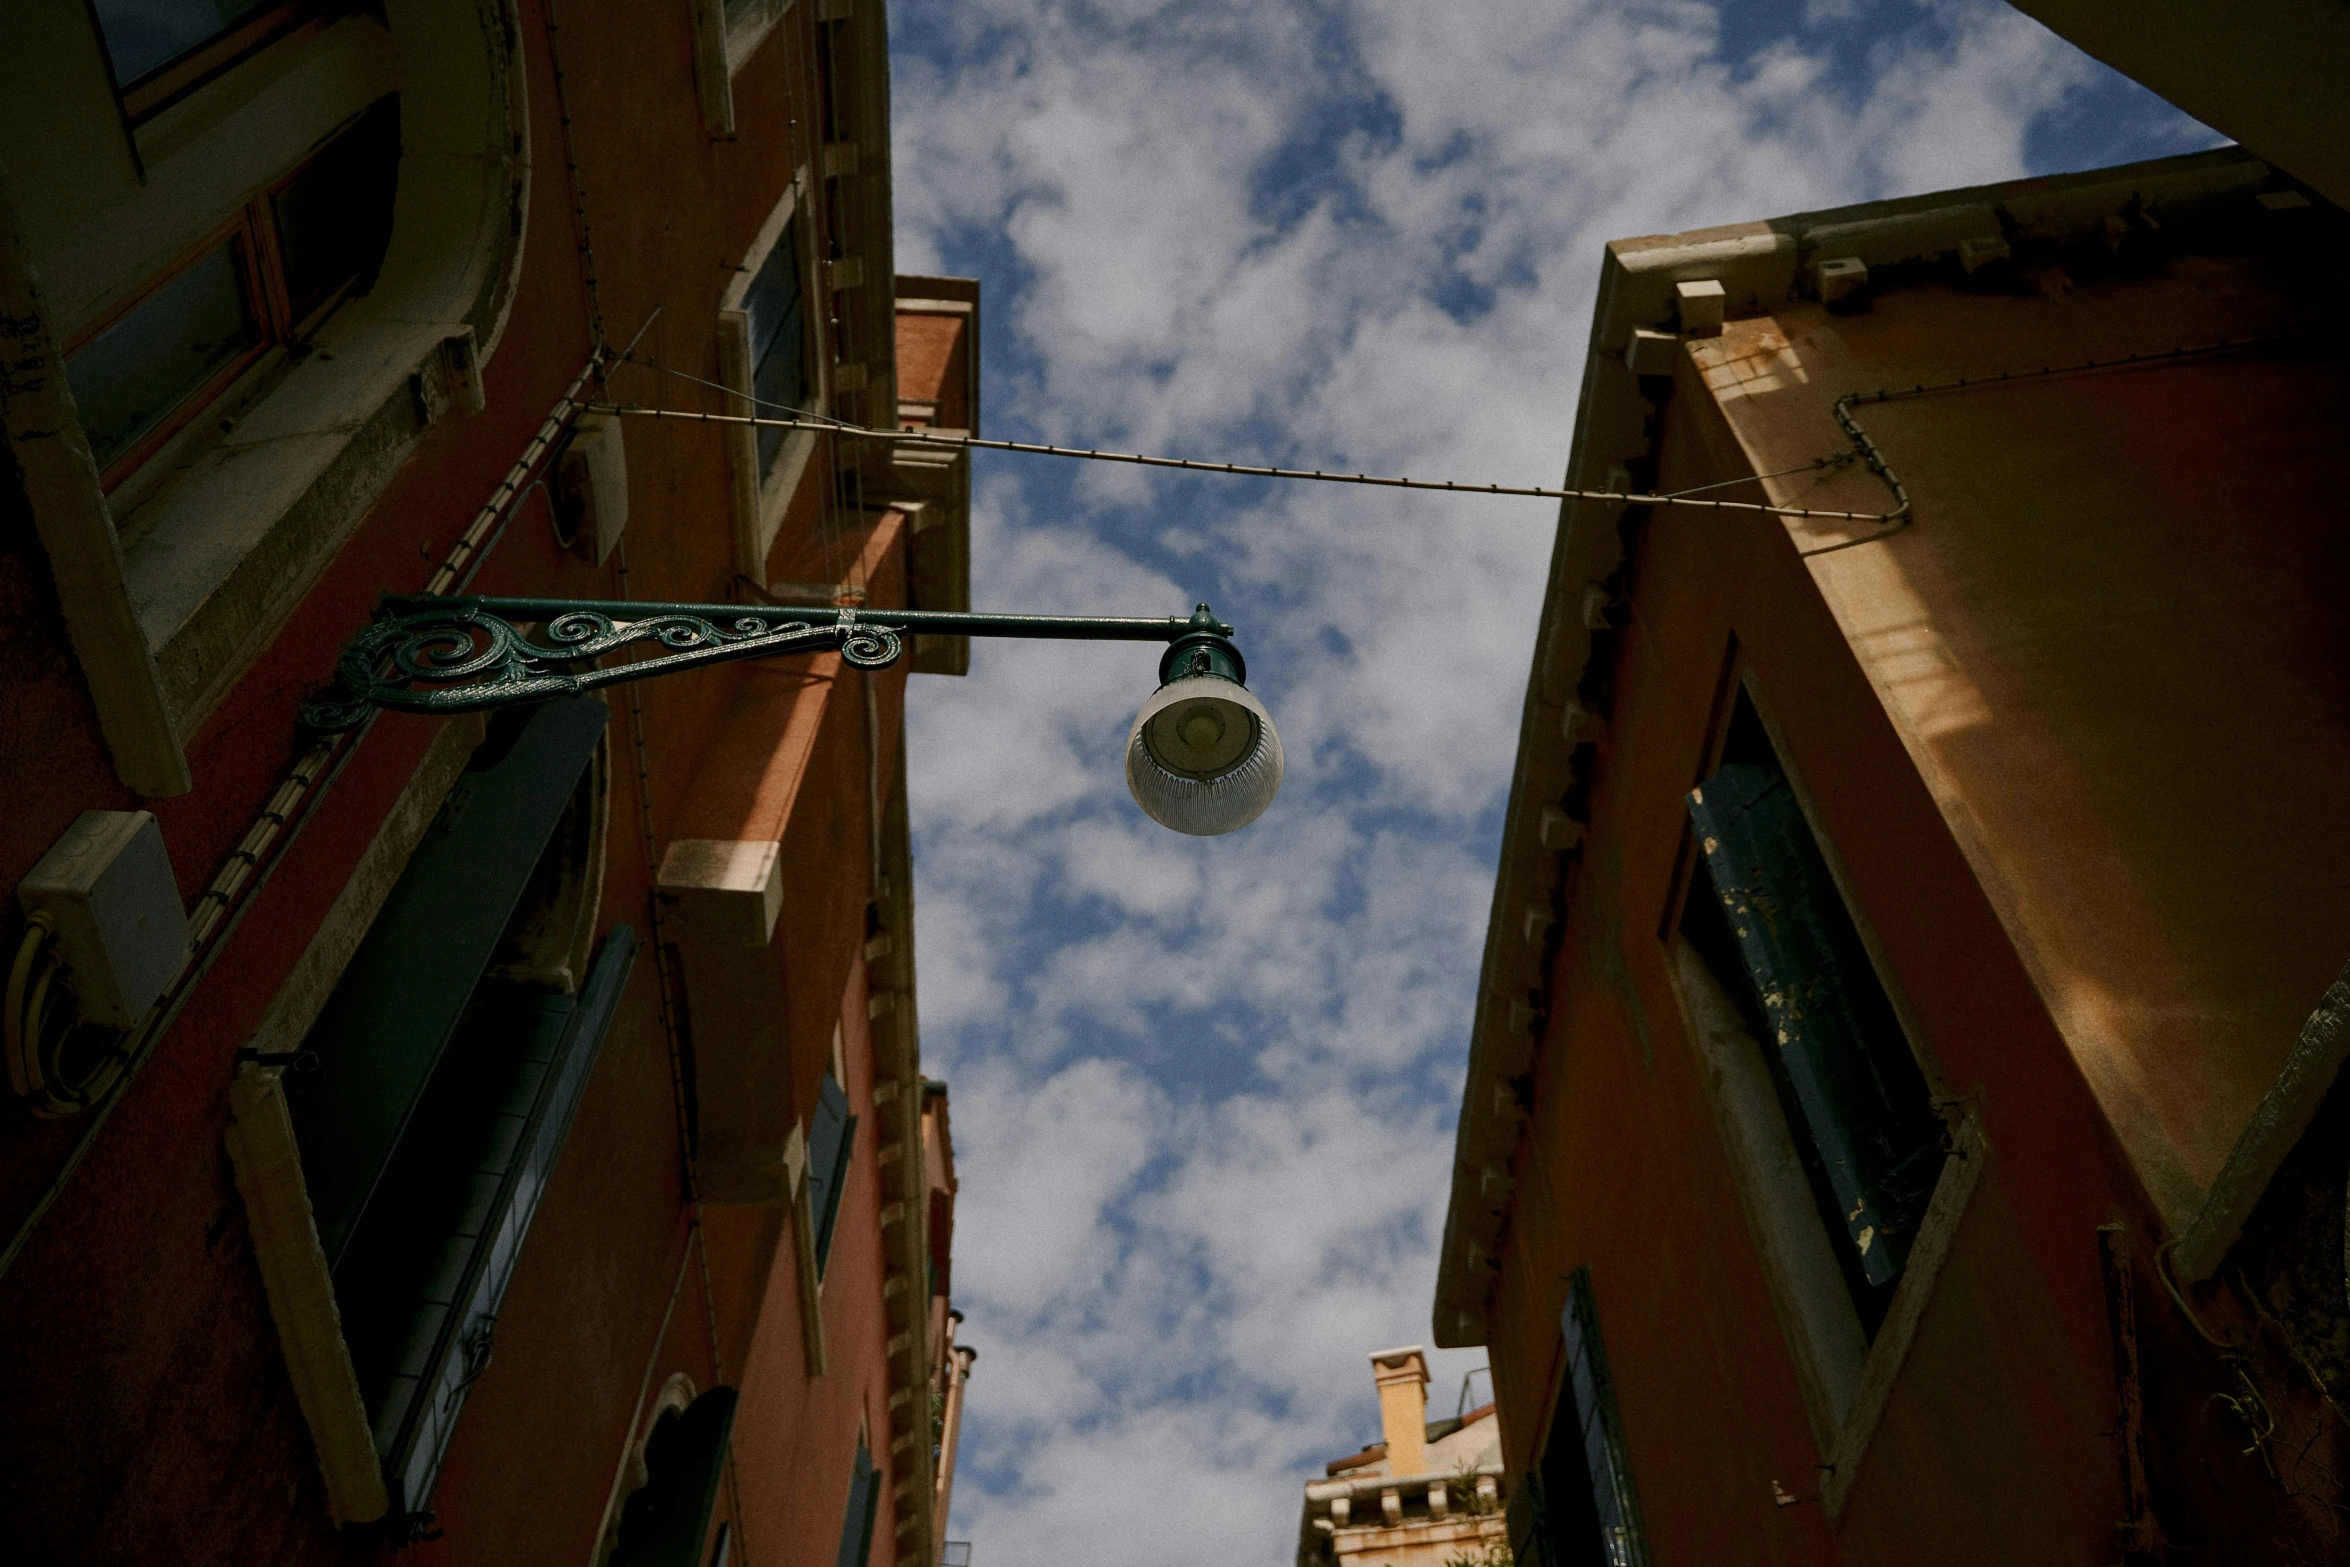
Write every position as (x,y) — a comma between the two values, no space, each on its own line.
(145,1413)
(2110,645)
(1995,1444)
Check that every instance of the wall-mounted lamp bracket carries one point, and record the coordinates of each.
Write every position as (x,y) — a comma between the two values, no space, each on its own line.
(431,654)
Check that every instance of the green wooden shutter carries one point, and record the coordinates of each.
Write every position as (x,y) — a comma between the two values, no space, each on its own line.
(832,1137)
(1579,1509)
(1858,1088)
(856,1528)
(1525,1520)
(668,1518)
(383,1030)
(428,1269)
(1590,1399)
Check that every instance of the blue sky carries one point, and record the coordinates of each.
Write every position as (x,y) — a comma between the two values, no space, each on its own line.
(1204,1089)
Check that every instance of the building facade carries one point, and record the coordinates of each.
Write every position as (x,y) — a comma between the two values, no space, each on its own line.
(1901,1123)
(1426,1494)
(499,1137)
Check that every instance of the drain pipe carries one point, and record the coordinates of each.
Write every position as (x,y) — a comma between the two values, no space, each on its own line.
(959,1358)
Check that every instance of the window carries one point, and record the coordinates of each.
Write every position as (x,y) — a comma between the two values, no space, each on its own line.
(445,1090)
(159,51)
(208,528)
(1765,915)
(265,280)
(856,1525)
(775,305)
(177,348)
(1578,1508)
(832,1135)
(668,1517)
(768,338)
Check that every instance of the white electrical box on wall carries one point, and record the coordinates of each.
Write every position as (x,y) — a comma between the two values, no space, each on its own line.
(109,894)
(592,476)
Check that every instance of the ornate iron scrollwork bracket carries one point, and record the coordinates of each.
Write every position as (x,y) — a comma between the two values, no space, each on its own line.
(462,655)
(470,654)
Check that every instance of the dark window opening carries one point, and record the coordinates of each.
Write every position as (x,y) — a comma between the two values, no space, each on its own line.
(827,93)
(146,372)
(1767,917)
(668,1518)
(1578,1509)
(334,217)
(777,307)
(445,1091)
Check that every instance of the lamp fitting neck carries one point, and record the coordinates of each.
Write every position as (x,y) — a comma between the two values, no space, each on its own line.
(1205,649)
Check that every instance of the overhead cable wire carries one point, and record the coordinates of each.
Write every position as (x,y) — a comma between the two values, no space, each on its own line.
(1265,471)
(1862,448)
(799,419)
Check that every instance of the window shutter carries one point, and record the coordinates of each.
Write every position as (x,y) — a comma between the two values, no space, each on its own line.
(832,1136)
(383,1030)
(1604,1454)
(430,1266)
(1584,1512)
(1862,1100)
(1524,1517)
(667,1519)
(856,1529)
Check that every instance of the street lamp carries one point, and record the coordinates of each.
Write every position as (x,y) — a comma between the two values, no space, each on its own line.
(1202,758)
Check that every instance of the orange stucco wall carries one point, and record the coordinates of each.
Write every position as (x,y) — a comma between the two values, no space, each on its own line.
(934,366)
(2064,739)
(2109,645)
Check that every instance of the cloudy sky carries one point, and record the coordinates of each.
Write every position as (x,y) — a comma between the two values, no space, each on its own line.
(1204,1089)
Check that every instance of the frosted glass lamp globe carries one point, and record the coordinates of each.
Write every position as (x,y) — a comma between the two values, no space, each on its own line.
(1203,757)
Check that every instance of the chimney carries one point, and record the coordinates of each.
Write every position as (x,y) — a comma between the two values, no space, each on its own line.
(1402,1375)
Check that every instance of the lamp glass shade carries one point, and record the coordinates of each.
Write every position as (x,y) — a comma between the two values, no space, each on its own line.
(1203,757)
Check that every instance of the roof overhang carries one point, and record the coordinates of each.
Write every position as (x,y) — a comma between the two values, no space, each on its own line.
(2267,72)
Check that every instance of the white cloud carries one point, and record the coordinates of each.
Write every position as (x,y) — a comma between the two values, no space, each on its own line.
(1204,1089)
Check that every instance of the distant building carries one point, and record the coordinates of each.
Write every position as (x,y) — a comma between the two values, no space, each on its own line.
(1426,1494)
(1901,1123)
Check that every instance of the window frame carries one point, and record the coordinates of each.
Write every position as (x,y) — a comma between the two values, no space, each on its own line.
(143,97)
(191,566)
(246,240)
(761,497)
(261,273)
(1828,1078)
(1846,1377)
